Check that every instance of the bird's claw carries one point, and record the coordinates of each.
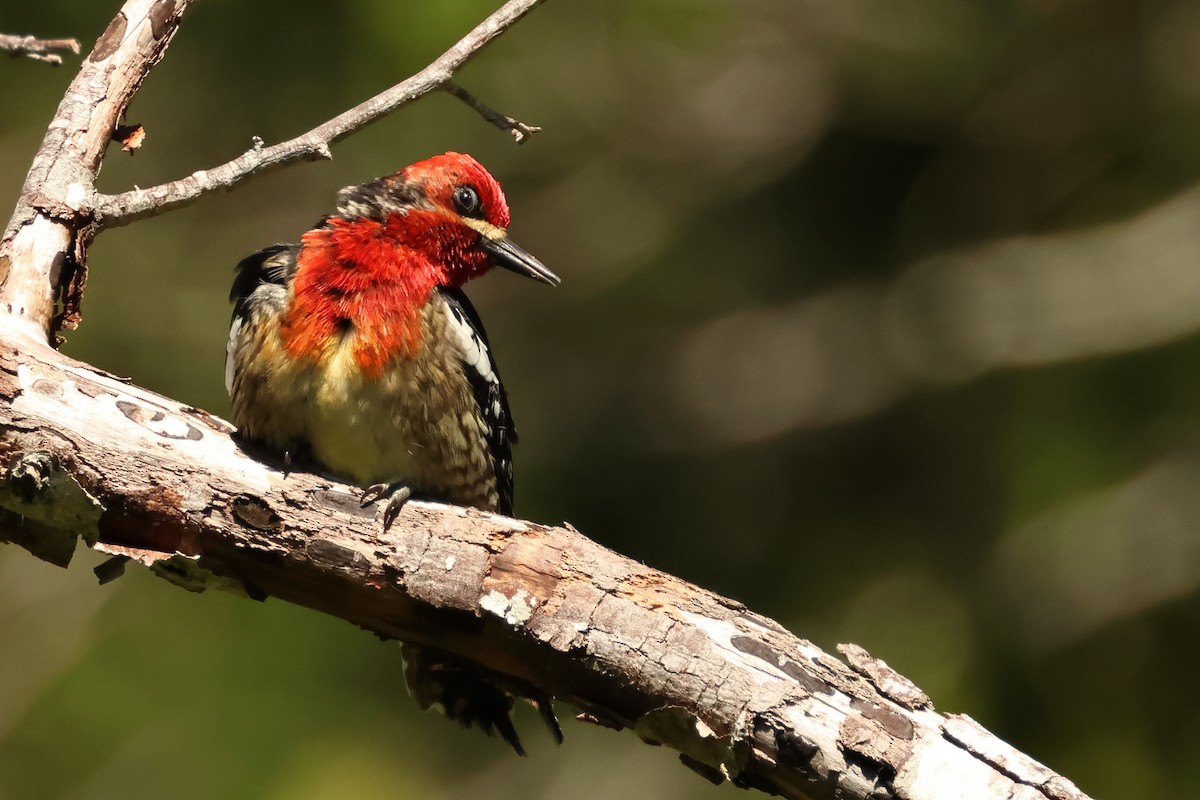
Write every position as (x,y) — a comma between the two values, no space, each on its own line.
(373,493)
(397,495)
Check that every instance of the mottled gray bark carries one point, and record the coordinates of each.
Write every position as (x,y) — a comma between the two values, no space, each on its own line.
(738,696)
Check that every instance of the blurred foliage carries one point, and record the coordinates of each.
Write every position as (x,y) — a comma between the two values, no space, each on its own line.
(880,317)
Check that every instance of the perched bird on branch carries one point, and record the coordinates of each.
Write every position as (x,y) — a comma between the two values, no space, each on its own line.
(356,351)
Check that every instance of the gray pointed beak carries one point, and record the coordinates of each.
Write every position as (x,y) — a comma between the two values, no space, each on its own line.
(514,258)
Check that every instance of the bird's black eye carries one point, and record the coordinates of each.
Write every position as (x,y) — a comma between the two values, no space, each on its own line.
(466,201)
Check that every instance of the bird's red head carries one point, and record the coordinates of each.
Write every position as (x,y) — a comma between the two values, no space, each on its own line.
(447,211)
(373,264)
(445,181)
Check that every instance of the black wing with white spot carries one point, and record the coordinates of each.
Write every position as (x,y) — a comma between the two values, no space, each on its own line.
(484,377)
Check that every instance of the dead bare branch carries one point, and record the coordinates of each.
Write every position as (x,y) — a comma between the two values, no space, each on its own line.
(121,209)
(44,247)
(37,49)
(519,130)
(736,694)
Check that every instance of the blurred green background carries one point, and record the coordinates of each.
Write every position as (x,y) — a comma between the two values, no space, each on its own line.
(881,317)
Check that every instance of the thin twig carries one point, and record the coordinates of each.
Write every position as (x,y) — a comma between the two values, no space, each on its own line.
(121,209)
(519,130)
(37,49)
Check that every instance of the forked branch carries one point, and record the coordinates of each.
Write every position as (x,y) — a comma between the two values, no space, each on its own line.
(121,209)
(519,130)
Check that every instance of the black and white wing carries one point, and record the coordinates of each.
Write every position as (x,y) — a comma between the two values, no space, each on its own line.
(480,369)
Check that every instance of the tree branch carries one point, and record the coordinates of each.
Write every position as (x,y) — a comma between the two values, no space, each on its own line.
(140,477)
(37,49)
(121,209)
(43,251)
(740,698)
(519,130)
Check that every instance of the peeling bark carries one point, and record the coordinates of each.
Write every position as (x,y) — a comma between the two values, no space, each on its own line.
(44,248)
(145,478)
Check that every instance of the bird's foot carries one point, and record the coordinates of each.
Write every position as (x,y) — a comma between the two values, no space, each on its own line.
(470,695)
(397,495)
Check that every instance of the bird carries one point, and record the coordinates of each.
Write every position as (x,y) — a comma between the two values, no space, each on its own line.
(357,352)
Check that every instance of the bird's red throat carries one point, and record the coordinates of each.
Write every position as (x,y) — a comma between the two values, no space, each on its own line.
(368,277)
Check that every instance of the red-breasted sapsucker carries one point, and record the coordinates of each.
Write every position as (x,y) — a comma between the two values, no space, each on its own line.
(357,351)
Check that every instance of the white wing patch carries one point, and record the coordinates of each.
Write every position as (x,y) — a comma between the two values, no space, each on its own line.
(474,352)
(464,332)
